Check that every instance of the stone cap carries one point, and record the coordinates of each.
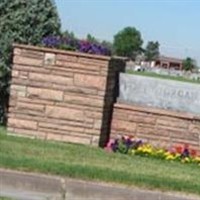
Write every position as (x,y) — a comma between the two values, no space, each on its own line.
(58,51)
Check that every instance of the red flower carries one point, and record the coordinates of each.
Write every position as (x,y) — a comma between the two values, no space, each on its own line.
(193,152)
(179,149)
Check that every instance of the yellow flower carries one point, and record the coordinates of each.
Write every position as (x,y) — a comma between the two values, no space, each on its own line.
(186,160)
(139,148)
(196,159)
(170,157)
(133,152)
(160,151)
(167,154)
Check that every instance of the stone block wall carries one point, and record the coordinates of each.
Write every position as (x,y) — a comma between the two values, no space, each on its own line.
(157,126)
(62,95)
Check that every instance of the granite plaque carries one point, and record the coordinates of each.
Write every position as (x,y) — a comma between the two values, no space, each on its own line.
(160,93)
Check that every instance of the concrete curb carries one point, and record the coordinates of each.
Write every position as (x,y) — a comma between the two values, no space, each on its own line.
(40,187)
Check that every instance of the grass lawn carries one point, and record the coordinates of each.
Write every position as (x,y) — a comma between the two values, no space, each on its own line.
(5,198)
(152,74)
(90,163)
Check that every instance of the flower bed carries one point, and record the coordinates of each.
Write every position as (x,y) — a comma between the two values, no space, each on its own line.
(132,146)
(75,45)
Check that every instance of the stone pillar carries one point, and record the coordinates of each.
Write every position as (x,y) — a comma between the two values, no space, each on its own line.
(62,95)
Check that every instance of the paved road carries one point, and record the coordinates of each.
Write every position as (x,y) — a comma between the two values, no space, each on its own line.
(29,186)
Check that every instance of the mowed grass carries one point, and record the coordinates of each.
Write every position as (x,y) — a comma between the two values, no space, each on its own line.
(154,75)
(92,163)
(5,198)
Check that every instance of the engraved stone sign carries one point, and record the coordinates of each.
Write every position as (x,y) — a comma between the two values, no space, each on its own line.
(160,93)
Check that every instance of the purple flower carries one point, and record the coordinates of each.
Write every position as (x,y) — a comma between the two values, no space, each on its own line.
(185,153)
(52,41)
(128,142)
(78,45)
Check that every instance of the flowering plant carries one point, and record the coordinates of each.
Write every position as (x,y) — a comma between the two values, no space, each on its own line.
(127,144)
(75,45)
(123,144)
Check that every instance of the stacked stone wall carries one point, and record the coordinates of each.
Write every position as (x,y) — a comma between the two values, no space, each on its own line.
(62,95)
(160,127)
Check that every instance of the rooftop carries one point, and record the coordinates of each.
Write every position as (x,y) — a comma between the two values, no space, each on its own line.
(169,59)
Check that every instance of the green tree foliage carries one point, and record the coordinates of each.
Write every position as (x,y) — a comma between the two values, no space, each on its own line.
(26,22)
(189,64)
(92,39)
(152,51)
(68,34)
(128,42)
(71,37)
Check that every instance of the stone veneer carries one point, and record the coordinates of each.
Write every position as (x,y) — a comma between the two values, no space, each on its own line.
(157,126)
(62,95)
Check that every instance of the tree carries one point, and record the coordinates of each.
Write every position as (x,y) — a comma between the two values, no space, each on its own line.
(26,22)
(128,42)
(92,39)
(189,64)
(152,51)
(68,34)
